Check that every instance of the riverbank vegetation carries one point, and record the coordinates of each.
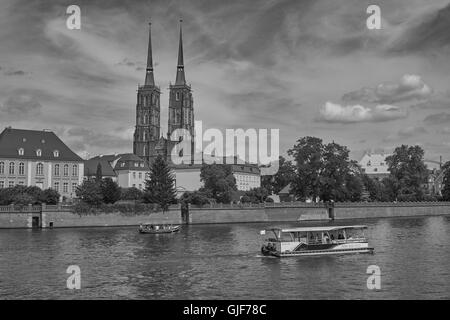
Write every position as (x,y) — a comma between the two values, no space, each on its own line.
(324,172)
(23,195)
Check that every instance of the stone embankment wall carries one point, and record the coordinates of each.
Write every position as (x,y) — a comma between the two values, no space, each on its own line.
(63,216)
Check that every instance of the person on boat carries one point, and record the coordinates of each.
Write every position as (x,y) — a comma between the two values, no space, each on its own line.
(340,236)
(326,239)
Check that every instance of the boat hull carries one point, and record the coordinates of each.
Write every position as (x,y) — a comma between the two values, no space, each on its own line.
(321,252)
(172,230)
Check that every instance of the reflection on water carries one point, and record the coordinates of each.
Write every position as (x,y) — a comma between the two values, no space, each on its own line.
(222,262)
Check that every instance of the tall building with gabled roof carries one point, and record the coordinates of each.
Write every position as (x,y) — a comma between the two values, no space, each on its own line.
(39,158)
(181,103)
(148,124)
(148,141)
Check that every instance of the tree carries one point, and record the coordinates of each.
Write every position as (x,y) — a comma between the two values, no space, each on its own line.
(219,182)
(49,196)
(335,171)
(131,194)
(407,167)
(256,195)
(391,188)
(374,188)
(110,191)
(284,176)
(160,186)
(195,197)
(325,171)
(99,173)
(307,155)
(90,192)
(446,182)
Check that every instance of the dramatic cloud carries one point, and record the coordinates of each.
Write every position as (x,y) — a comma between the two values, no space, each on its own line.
(438,118)
(21,104)
(268,64)
(84,139)
(428,32)
(436,101)
(410,87)
(15,73)
(332,112)
(411,132)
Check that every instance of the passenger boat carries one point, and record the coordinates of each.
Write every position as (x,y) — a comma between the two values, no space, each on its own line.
(156,229)
(314,241)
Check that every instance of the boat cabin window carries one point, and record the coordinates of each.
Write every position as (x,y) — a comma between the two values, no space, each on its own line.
(287,236)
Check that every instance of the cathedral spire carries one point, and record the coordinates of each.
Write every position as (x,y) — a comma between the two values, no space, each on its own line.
(181,80)
(149,78)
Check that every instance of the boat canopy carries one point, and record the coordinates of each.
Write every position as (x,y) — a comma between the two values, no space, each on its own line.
(317,229)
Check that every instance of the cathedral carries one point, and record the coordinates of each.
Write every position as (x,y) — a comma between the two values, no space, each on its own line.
(148,142)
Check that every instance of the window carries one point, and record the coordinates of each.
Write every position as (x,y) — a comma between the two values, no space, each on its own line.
(177,96)
(66,170)
(56,153)
(368,164)
(56,170)
(75,170)
(2,168)
(39,169)
(11,184)
(134,175)
(21,183)
(65,187)
(74,187)
(11,168)
(134,185)
(56,186)
(21,152)
(39,152)
(375,169)
(140,175)
(2,184)
(22,168)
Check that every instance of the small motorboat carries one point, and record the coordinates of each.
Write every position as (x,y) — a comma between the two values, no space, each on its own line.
(158,228)
(312,241)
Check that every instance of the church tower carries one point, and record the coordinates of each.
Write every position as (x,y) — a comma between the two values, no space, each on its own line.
(181,103)
(147,131)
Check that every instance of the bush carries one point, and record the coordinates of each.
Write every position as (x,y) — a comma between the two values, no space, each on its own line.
(49,196)
(82,208)
(407,197)
(90,192)
(110,190)
(23,195)
(131,194)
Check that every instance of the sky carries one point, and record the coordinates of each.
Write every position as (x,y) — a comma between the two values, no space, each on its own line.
(306,67)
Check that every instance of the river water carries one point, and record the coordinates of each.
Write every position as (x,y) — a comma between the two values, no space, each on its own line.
(222,262)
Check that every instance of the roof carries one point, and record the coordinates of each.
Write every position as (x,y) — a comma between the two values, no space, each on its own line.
(11,140)
(318,229)
(286,190)
(114,162)
(374,163)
